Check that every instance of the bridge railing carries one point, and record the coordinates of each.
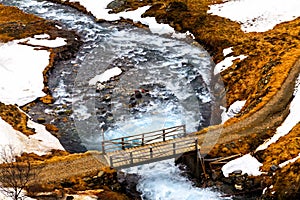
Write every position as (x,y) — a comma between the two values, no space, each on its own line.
(149,153)
(143,139)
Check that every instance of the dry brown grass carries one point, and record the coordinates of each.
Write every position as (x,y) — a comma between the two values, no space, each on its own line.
(286,148)
(17,119)
(15,24)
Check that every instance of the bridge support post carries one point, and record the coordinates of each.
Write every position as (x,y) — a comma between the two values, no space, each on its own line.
(123,144)
(151,152)
(111,161)
(143,139)
(197,159)
(200,161)
(164,135)
(184,130)
(174,148)
(103,147)
(131,158)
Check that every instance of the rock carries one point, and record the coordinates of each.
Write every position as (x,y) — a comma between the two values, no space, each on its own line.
(100,87)
(65,119)
(57,193)
(100,174)
(129,182)
(87,179)
(107,98)
(228,181)
(237,172)
(132,98)
(177,6)
(116,4)
(91,185)
(67,184)
(51,128)
(69,198)
(41,120)
(132,103)
(274,167)
(48,99)
(68,112)
(215,175)
(238,187)
(138,94)
(116,187)
(110,119)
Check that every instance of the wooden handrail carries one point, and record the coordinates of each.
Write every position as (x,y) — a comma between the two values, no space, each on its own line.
(175,127)
(142,139)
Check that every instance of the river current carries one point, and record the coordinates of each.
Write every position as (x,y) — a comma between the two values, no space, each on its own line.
(164,82)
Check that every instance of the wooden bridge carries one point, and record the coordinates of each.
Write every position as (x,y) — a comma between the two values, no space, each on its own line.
(148,147)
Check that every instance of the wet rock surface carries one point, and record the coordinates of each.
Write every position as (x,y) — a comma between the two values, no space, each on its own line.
(129,183)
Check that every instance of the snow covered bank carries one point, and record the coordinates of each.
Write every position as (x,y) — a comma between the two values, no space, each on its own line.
(21,69)
(227,62)
(40,143)
(289,161)
(247,163)
(21,82)
(44,40)
(234,109)
(21,73)
(257,15)
(100,11)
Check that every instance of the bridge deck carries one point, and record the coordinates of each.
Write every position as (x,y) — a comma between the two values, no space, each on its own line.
(147,153)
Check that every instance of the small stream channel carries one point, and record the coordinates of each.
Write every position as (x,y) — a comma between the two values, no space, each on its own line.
(164,82)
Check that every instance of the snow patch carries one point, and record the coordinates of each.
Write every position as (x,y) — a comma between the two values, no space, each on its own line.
(227,51)
(21,73)
(42,36)
(106,76)
(22,194)
(227,62)
(21,68)
(45,42)
(234,109)
(257,15)
(281,165)
(100,11)
(40,143)
(247,163)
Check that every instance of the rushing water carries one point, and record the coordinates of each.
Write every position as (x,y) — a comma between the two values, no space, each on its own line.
(164,82)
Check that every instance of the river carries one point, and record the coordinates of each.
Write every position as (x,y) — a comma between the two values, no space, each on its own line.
(164,82)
